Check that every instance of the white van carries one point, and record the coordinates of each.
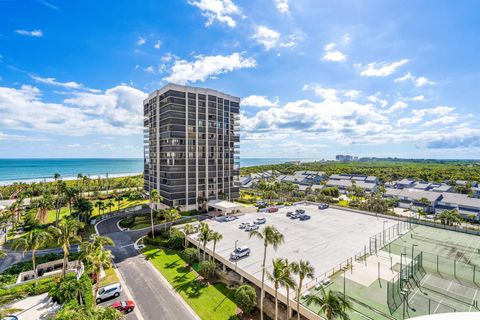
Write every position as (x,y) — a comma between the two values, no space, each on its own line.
(109,291)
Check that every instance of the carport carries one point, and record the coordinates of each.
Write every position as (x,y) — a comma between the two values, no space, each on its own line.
(224,207)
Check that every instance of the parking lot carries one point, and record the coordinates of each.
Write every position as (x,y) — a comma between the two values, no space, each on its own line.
(329,238)
(123,297)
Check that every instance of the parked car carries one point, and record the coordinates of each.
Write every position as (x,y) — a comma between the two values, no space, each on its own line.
(322,206)
(289,213)
(230,218)
(261,204)
(272,209)
(251,227)
(300,211)
(260,221)
(109,291)
(304,217)
(243,225)
(9,318)
(295,215)
(124,306)
(240,252)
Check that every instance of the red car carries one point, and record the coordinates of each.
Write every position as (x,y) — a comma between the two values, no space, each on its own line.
(124,306)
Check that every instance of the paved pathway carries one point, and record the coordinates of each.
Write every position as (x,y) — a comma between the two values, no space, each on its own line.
(153,297)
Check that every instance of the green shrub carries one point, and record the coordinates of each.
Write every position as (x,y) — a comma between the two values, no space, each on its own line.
(176,241)
(207,269)
(23,290)
(190,255)
(68,289)
(246,298)
(127,222)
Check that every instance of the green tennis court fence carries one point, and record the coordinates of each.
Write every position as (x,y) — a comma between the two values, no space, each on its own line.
(444,243)
(388,235)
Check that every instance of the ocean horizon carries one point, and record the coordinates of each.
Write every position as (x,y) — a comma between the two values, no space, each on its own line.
(42,169)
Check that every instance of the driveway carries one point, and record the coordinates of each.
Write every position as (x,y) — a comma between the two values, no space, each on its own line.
(152,295)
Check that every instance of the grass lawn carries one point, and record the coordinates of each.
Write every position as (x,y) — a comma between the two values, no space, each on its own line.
(110,277)
(343,203)
(143,222)
(209,301)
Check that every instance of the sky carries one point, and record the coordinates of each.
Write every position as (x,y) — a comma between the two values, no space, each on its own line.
(316,78)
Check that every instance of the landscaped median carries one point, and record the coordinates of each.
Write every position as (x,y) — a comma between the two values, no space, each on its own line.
(210,301)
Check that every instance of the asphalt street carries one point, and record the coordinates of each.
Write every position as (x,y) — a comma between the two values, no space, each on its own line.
(153,297)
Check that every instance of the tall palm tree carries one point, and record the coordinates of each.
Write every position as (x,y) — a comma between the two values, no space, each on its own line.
(100,205)
(32,242)
(215,236)
(109,205)
(270,236)
(187,230)
(204,235)
(5,216)
(43,205)
(171,216)
(96,261)
(288,282)
(118,199)
(66,232)
(276,277)
(71,195)
(332,303)
(304,270)
(98,243)
(154,195)
(79,178)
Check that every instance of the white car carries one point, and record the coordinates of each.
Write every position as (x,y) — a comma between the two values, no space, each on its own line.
(240,253)
(230,218)
(260,221)
(243,225)
(251,227)
(109,291)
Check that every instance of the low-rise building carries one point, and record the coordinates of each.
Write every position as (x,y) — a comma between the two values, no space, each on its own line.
(344,181)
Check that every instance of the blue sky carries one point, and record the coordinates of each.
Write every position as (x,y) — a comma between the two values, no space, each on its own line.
(316,78)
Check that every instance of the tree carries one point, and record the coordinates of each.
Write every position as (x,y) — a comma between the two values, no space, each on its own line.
(66,232)
(270,236)
(71,195)
(100,205)
(288,283)
(60,187)
(75,312)
(154,198)
(187,230)
(42,206)
(190,255)
(204,236)
(96,261)
(33,241)
(109,205)
(276,277)
(171,216)
(5,216)
(215,236)
(246,298)
(207,269)
(118,199)
(202,202)
(332,303)
(450,217)
(84,209)
(304,270)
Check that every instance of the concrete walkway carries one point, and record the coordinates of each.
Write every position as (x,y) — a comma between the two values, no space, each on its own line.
(36,307)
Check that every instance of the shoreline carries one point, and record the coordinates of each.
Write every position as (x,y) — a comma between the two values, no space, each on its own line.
(51,179)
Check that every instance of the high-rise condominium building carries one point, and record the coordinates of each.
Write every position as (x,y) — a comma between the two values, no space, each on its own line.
(191,145)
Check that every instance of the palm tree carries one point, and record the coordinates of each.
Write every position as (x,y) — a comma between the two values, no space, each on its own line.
(215,236)
(84,208)
(109,205)
(188,229)
(100,205)
(66,232)
(98,243)
(43,205)
(204,236)
(79,178)
(270,236)
(96,261)
(153,199)
(202,201)
(171,216)
(288,282)
(60,187)
(118,199)
(332,303)
(32,242)
(304,270)
(276,277)
(5,216)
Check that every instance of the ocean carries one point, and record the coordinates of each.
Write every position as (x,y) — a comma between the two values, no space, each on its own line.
(31,170)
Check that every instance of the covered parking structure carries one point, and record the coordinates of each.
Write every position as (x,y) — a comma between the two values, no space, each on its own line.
(223,207)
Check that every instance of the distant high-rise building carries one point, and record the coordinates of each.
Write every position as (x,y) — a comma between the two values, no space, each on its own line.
(346,157)
(191,145)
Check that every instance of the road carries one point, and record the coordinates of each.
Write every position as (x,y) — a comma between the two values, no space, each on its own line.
(153,297)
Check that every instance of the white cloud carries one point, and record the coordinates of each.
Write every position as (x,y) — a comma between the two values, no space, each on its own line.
(422,81)
(445,120)
(117,111)
(205,67)
(375,99)
(419,114)
(352,94)
(141,41)
(282,5)
(33,33)
(150,69)
(259,101)
(419,98)
(267,37)
(53,82)
(292,40)
(418,82)
(399,105)
(157,44)
(325,93)
(382,69)
(221,10)
(333,55)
